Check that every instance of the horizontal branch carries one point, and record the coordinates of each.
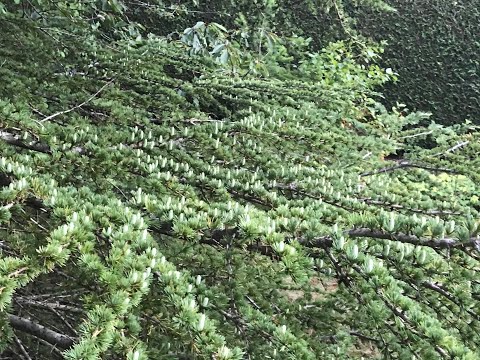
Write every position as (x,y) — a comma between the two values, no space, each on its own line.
(406,164)
(40,331)
(50,305)
(444,243)
(220,237)
(15,140)
(391,206)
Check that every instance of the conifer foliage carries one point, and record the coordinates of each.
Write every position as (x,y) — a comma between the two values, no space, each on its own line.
(153,206)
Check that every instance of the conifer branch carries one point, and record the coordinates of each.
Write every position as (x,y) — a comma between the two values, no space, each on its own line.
(238,180)
(218,237)
(406,164)
(400,207)
(443,243)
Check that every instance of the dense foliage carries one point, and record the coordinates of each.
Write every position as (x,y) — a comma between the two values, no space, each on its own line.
(159,202)
(434,47)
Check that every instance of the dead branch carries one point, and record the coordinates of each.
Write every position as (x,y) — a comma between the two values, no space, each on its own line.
(40,331)
(50,117)
(453,148)
(21,347)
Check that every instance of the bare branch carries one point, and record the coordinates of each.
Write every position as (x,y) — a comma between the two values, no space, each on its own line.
(40,331)
(21,347)
(453,148)
(50,117)
(419,134)
(50,305)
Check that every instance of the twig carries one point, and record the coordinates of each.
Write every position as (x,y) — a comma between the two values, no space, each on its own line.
(364,337)
(452,149)
(21,347)
(53,349)
(251,301)
(344,25)
(415,135)
(366,155)
(50,305)
(50,117)
(38,224)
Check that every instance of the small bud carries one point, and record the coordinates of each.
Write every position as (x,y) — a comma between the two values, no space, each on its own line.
(354,252)
(391,224)
(224,352)
(281,246)
(135,277)
(335,228)
(340,243)
(201,322)
(386,250)
(451,226)
(422,257)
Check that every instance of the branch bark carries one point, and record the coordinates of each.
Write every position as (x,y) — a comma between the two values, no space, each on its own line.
(40,331)
(15,140)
